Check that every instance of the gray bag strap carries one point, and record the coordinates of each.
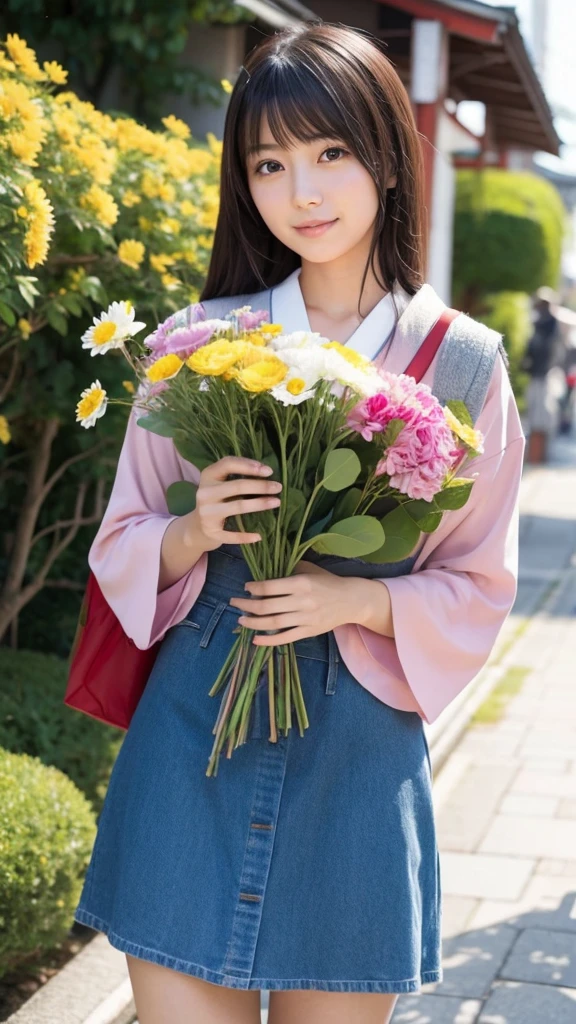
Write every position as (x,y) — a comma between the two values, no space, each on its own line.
(466,362)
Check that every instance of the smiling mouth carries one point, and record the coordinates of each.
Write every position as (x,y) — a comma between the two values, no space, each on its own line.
(311,229)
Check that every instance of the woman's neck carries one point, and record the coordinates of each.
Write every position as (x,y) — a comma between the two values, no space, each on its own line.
(331,296)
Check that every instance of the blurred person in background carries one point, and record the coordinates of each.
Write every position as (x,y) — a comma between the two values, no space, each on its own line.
(544,361)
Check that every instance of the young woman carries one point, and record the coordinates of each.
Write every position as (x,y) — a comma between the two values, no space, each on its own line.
(308,866)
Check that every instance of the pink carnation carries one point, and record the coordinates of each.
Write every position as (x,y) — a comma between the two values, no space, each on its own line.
(424,451)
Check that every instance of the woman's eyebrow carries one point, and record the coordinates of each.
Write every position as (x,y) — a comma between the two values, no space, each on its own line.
(274,145)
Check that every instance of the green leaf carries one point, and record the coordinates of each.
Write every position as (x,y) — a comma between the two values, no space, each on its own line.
(57,320)
(401,534)
(460,411)
(72,304)
(271,459)
(341,469)
(157,423)
(392,432)
(455,495)
(191,449)
(7,314)
(295,505)
(315,528)
(347,503)
(425,514)
(350,538)
(181,497)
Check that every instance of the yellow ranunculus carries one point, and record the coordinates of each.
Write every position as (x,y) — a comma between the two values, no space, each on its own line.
(263,375)
(164,368)
(216,357)
(271,329)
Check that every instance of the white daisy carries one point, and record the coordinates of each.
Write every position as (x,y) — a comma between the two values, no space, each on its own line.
(92,405)
(111,329)
(296,387)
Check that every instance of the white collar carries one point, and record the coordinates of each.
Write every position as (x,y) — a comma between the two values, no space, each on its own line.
(288,308)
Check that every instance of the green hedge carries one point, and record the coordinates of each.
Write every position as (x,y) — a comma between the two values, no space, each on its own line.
(508,234)
(34,720)
(47,831)
(509,314)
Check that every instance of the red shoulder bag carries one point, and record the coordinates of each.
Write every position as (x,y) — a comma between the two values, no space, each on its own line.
(108,673)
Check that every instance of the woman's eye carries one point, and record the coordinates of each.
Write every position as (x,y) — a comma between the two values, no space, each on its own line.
(331,149)
(335,149)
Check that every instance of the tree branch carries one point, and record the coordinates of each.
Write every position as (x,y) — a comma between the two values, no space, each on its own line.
(66,465)
(63,524)
(5,390)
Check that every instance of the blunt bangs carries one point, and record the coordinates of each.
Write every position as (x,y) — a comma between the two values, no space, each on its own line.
(299,106)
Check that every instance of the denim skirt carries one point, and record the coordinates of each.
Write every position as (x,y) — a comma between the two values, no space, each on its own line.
(306,863)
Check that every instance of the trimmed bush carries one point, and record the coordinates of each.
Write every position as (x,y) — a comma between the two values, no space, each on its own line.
(47,831)
(35,721)
(509,314)
(508,233)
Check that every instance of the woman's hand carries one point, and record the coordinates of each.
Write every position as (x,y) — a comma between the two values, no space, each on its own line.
(217,498)
(310,602)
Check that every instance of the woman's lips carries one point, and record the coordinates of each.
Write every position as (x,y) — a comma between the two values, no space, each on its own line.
(318,230)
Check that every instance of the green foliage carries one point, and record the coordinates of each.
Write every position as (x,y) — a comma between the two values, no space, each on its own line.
(47,831)
(509,314)
(508,234)
(35,721)
(93,209)
(140,41)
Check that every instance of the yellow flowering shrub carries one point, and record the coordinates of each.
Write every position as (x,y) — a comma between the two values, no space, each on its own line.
(94,207)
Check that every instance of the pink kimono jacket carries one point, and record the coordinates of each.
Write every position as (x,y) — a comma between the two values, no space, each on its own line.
(447,613)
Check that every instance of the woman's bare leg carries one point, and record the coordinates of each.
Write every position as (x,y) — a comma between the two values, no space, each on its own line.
(165,996)
(309,1006)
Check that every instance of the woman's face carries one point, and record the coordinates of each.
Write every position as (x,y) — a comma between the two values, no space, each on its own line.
(313,181)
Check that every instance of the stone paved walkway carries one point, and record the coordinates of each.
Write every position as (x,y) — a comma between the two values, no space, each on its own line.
(506,802)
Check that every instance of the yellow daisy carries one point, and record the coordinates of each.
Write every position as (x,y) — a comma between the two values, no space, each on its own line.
(92,405)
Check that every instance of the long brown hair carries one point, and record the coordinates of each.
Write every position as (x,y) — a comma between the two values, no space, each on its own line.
(328,79)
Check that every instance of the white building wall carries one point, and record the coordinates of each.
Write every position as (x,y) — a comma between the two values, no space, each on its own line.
(439,273)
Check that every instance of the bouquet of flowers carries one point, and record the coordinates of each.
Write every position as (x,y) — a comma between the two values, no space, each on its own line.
(368,460)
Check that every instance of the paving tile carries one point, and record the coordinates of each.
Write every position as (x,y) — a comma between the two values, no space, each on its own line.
(528,837)
(542,957)
(566,809)
(555,866)
(468,810)
(531,806)
(484,876)
(456,912)
(544,785)
(472,960)
(540,765)
(432,1009)
(511,1003)
(543,904)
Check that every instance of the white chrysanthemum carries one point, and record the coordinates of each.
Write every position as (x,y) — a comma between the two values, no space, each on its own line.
(92,405)
(111,329)
(309,362)
(218,326)
(296,339)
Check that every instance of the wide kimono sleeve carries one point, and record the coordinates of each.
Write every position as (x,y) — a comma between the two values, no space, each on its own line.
(448,612)
(125,554)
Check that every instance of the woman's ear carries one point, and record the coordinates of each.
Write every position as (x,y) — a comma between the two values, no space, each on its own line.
(392,182)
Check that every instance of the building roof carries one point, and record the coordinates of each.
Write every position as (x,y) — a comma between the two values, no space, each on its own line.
(488,62)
